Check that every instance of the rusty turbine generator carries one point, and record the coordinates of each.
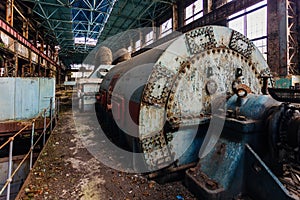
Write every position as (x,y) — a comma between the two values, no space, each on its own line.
(202,100)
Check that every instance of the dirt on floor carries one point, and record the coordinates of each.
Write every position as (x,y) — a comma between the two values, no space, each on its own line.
(66,170)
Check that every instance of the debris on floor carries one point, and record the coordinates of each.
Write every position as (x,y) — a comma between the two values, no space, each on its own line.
(66,170)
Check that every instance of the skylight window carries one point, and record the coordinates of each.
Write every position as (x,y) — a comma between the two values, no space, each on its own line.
(85,41)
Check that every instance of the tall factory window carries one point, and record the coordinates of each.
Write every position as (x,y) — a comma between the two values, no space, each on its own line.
(166,28)
(138,45)
(149,38)
(193,11)
(252,22)
(129,49)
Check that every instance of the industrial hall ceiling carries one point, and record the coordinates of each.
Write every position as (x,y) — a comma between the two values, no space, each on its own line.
(77,26)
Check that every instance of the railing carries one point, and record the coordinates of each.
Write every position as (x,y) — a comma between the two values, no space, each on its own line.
(53,116)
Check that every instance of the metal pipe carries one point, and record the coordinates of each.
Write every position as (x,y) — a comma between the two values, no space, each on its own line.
(31,146)
(58,104)
(56,110)
(51,102)
(10,164)
(45,124)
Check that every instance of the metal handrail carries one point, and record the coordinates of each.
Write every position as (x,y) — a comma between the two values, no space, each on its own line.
(12,138)
(30,152)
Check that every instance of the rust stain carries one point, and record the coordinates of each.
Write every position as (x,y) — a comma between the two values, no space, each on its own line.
(15,126)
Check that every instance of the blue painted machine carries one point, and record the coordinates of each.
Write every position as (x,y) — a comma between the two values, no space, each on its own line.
(257,154)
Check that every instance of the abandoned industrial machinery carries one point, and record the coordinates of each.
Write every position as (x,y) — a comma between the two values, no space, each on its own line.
(200,102)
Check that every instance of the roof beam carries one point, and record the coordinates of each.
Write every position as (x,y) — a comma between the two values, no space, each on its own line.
(64,6)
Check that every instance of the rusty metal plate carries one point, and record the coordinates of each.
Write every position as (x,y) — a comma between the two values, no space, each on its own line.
(200,39)
(241,44)
(157,89)
(156,151)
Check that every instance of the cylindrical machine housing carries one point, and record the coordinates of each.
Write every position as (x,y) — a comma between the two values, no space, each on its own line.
(161,96)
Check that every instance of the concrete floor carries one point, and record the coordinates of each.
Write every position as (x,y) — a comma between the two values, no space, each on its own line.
(67,170)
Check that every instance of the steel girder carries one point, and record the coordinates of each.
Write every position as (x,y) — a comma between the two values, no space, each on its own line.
(68,19)
(65,20)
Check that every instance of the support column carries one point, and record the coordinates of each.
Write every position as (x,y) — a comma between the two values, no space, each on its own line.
(39,66)
(207,6)
(216,3)
(175,16)
(42,45)
(211,5)
(10,12)
(31,72)
(181,14)
(45,69)
(25,28)
(58,77)
(47,50)
(298,31)
(156,31)
(36,39)
(277,37)
(292,34)
(132,44)
(142,38)
(283,43)
(6,63)
(16,59)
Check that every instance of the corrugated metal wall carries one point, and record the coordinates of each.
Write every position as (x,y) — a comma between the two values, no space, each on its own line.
(24,98)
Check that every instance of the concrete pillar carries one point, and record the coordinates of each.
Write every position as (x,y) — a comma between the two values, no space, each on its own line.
(277,37)
(10,12)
